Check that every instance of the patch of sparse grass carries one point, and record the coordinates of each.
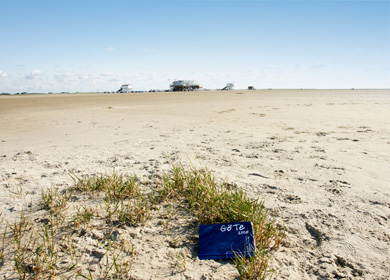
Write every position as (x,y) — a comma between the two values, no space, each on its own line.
(18,193)
(115,186)
(111,207)
(36,248)
(118,266)
(181,260)
(3,239)
(215,203)
(135,212)
(84,215)
(54,200)
(253,267)
(50,246)
(116,262)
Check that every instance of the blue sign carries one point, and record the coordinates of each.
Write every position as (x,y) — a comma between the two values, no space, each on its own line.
(221,241)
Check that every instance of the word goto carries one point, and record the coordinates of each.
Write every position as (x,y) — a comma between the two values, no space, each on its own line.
(240,228)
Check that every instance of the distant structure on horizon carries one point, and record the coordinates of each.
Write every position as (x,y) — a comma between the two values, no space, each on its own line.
(125,88)
(184,85)
(229,86)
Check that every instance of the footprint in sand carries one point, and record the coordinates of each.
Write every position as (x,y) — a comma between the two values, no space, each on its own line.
(25,155)
(226,111)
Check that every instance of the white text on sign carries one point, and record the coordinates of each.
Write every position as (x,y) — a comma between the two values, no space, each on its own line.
(238,227)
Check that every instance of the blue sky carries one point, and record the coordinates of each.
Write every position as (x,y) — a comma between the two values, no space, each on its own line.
(86,45)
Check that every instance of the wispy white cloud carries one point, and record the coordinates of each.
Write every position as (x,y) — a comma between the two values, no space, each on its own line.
(3,74)
(110,49)
(64,76)
(83,77)
(35,74)
(107,74)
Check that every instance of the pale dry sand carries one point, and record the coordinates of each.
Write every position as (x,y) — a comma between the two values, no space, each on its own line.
(320,160)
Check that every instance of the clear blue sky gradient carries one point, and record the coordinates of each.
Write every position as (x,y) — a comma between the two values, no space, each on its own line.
(85,45)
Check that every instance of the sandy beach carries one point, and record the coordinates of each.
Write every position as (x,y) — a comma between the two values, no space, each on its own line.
(319,159)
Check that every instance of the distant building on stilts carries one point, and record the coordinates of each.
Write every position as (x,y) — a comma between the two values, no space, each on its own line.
(125,88)
(184,85)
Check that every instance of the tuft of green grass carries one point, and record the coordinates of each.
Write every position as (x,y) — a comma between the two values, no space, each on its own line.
(85,215)
(213,203)
(253,267)
(135,212)
(54,200)
(114,186)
